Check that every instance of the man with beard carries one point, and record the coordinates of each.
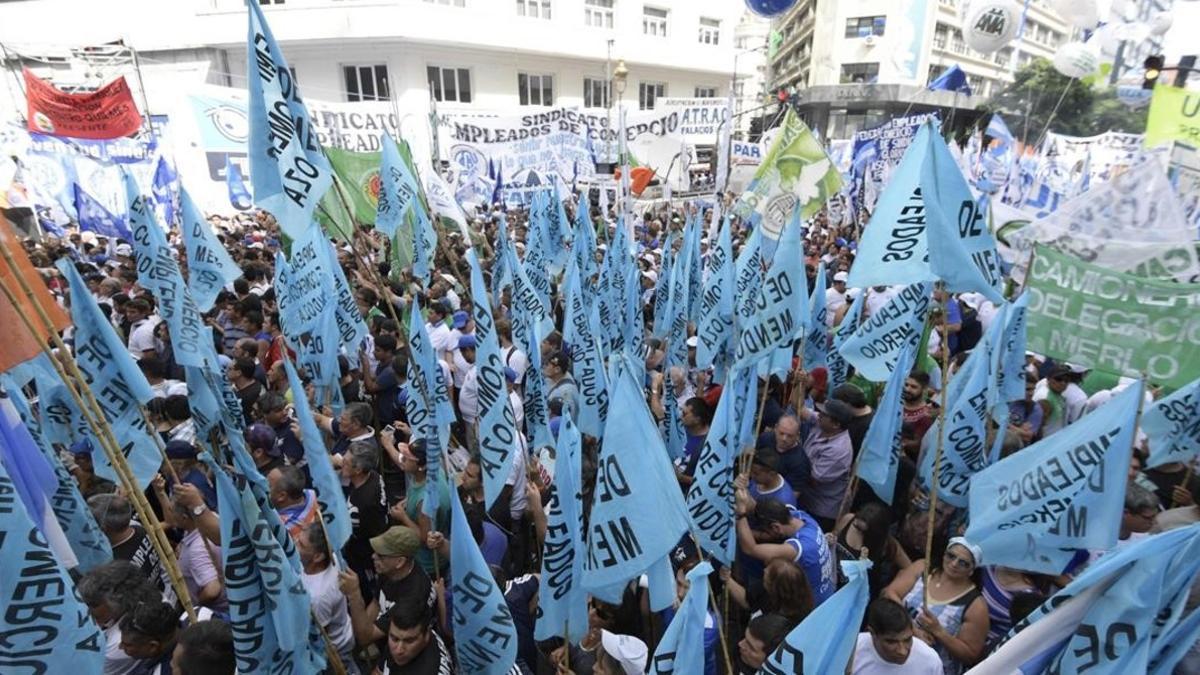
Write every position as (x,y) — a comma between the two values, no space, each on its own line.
(918,414)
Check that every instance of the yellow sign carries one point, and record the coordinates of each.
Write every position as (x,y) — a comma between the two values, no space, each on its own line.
(1174,116)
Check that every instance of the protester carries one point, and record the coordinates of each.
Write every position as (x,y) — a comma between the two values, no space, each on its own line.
(888,645)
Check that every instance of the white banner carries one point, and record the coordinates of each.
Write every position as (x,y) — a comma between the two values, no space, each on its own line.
(699,117)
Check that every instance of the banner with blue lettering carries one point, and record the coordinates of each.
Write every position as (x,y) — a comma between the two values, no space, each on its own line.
(317,356)
(1032,510)
(425,371)
(398,190)
(485,638)
(497,422)
(537,407)
(1173,426)
(662,288)
(302,286)
(581,335)
(838,369)
(210,267)
(715,328)
(816,340)
(748,274)
(268,605)
(1008,359)
(1126,613)
(781,303)
(425,241)
(528,307)
(501,270)
(288,171)
(562,603)
(165,187)
(824,641)
(681,649)
(876,344)
(350,322)
(584,247)
(46,627)
(963,429)
(115,379)
(881,450)
(710,497)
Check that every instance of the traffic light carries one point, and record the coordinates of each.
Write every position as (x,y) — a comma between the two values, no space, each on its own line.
(1153,65)
(1186,65)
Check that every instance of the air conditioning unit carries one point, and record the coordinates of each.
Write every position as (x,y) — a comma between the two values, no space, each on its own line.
(870,40)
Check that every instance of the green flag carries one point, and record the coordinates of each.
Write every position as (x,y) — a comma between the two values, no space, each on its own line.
(1111,321)
(773,43)
(354,194)
(1174,116)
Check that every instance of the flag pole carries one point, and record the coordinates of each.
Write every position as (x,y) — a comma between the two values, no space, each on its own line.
(937,459)
(102,431)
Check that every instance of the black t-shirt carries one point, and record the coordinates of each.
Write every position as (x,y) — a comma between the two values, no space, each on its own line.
(249,396)
(368,518)
(139,551)
(857,427)
(517,594)
(414,588)
(433,660)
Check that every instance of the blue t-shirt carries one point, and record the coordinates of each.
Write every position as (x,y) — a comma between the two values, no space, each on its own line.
(953,316)
(814,557)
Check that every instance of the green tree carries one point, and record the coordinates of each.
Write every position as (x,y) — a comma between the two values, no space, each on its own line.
(1029,105)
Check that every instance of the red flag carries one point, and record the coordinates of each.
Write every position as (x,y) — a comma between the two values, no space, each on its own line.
(108,112)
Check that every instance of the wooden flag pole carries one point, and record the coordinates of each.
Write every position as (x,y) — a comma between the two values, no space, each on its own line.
(937,459)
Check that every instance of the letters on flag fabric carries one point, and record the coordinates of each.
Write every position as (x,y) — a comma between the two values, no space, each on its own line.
(876,344)
(710,497)
(562,603)
(485,637)
(537,407)
(881,446)
(210,268)
(317,356)
(398,190)
(1173,426)
(116,381)
(824,641)
(1113,322)
(350,324)
(158,272)
(716,304)
(268,605)
(93,217)
(748,275)
(1008,359)
(46,627)
(1172,116)
(581,334)
(634,523)
(1125,613)
(837,368)
(1031,510)
(781,307)
(497,422)
(963,430)
(681,649)
(287,169)
(239,195)
(109,112)
(816,341)
(424,371)
(19,344)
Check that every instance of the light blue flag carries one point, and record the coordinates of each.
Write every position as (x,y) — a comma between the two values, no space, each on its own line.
(677,312)
(838,369)
(633,328)
(165,187)
(964,442)
(536,265)
(497,422)
(501,269)
(235,184)
(425,241)
(158,272)
(1126,613)
(876,344)
(1008,359)
(663,288)
(287,168)
(816,341)
(562,603)
(748,275)
(303,287)
(46,627)
(116,381)
(430,377)
(715,328)
(1032,510)
(325,480)
(268,605)
(210,268)
(485,637)
(351,327)
(710,498)
(317,356)
(1173,426)
(781,304)
(398,189)
(93,217)
(584,247)
(681,649)
(581,334)
(881,446)
(695,270)
(824,641)
(634,523)
(528,307)
(962,251)
(537,407)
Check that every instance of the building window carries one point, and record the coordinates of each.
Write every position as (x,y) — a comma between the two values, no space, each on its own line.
(862,26)
(535,89)
(859,73)
(1002,57)
(535,9)
(710,31)
(451,3)
(940,35)
(741,42)
(706,92)
(366,83)
(654,21)
(739,88)
(649,92)
(957,45)
(270,2)
(451,85)
(595,93)
(598,13)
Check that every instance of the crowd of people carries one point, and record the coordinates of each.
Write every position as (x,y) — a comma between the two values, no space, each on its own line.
(798,508)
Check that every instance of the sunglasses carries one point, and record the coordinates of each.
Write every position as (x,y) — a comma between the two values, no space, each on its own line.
(959,561)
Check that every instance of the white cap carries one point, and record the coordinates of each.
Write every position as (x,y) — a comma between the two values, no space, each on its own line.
(841,276)
(124,249)
(692,342)
(1078,370)
(651,275)
(629,651)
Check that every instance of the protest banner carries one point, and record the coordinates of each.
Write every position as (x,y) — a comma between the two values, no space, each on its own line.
(1174,116)
(20,345)
(881,449)
(209,265)
(108,112)
(876,344)
(485,637)
(715,328)
(1113,322)
(562,604)
(1172,425)
(781,303)
(699,118)
(581,334)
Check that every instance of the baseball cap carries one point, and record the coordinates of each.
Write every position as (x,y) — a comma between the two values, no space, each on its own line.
(397,541)
(460,319)
(510,375)
(628,651)
(850,394)
(262,437)
(651,275)
(466,342)
(692,342)
(81,447)
(841,276)
(181,450)
(124,249)
(839,411)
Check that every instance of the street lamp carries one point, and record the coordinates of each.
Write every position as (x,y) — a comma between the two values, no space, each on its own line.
(620,75)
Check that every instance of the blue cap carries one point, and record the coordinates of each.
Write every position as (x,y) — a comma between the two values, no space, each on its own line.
(460,319)
(181,450)
(840,241)
(510,375)
(466,342)
(555,423)
(82,447)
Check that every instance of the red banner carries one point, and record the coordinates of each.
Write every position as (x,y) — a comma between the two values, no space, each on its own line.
(108,112)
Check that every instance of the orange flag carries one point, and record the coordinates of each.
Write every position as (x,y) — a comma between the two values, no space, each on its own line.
(18,344)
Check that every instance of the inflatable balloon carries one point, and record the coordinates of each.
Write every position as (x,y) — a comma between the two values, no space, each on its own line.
(1160,23)
(769,9)
(1079,13)
(988,25)
(1134,31)
(1076,60)
(1131,93)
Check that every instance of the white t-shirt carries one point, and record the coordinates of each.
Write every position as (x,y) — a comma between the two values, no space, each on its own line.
(141,337)
(833,302)
(922,660)
(440,337)
(516,359)
(877,299)
(329,606)
(468,396)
